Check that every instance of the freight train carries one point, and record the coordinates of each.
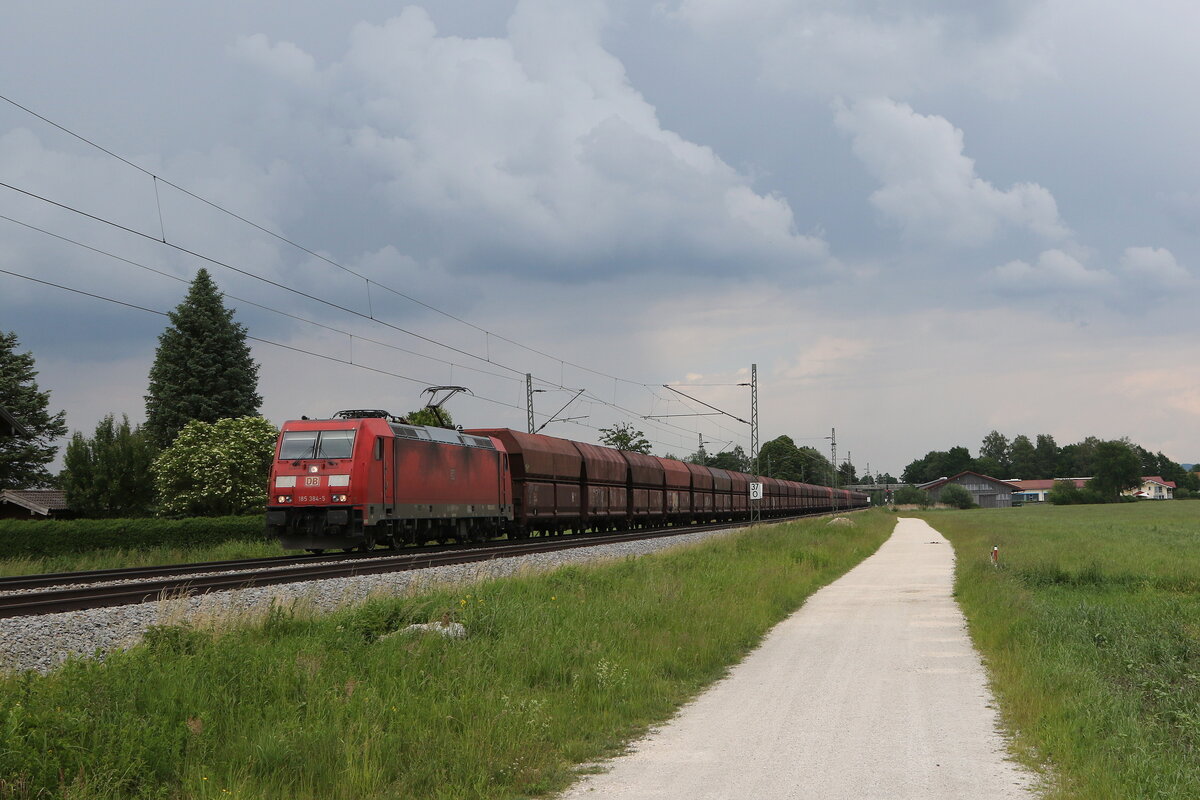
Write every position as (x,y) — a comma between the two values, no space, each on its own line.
(364,478)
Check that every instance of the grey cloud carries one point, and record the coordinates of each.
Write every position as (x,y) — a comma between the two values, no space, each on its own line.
(1153,275)
(828,48)
(535,149)
(1141,277)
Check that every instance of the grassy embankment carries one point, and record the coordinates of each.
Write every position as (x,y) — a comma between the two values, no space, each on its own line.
(558,669)
(1091,632)
(117,557)
(28,547)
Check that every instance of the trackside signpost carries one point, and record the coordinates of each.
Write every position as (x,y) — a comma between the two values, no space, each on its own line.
(756,493)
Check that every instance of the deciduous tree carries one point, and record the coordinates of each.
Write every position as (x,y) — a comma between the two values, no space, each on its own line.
(427,416)
(623,436)
(781,458)
(1023,458)
(910,495)
(956,496)
(109,475)
(1045,456)
(24,456)
(1117,469)
(990,467)
(1064,493)
(216,469)
(735,460)
(995,446)
(938,464)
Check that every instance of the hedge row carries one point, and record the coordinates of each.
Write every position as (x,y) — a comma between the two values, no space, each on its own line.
(25,538)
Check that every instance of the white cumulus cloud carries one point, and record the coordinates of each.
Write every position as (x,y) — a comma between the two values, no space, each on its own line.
(929,186)
(1053,270)
(1155,265)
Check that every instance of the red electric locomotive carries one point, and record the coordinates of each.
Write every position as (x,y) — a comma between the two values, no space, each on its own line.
(365,477)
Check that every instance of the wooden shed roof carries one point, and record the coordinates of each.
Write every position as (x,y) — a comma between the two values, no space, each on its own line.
(9,425)
(38,501)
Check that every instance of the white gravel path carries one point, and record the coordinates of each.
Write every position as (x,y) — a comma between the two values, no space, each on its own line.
(871,690)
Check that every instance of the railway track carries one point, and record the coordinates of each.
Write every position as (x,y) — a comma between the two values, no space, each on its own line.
(147,584)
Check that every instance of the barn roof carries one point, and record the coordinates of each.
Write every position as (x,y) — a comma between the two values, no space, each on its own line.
(1010,485)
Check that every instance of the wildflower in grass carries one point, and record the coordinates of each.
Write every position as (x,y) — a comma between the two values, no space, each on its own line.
(609,675)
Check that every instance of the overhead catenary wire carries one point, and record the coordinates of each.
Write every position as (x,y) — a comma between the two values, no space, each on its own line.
(280,237)
(293,348)
(162,239)
(261,306)
(298,292)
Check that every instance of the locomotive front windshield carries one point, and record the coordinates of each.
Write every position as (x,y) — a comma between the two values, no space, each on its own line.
(299,445)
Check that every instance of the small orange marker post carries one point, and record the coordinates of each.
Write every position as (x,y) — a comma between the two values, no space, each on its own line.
(995,556)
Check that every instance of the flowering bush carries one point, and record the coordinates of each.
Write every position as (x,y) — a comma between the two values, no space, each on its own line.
(216,469)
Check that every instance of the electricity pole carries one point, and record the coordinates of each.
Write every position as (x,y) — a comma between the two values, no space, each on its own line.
(833,451)
(529,399)
(755,507)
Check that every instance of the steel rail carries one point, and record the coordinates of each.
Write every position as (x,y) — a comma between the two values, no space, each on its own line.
(45,579)
(42,580)
(78,598)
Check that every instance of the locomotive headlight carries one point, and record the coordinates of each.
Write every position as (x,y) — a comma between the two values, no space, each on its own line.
(283,498)
(340,498)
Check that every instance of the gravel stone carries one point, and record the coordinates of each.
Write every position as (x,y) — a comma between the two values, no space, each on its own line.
(43,642)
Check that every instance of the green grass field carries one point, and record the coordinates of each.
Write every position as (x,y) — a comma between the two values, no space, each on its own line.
(1090,629)
(557,670)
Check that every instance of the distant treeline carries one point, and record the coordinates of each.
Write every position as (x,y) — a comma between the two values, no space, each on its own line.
(1024,459)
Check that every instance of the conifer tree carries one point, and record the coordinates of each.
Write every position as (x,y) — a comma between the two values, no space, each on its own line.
(23,458)
(202,368)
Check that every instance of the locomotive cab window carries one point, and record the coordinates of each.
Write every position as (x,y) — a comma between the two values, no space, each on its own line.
(336,444)
(298,445)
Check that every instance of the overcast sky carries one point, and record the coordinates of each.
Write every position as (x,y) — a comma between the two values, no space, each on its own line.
(921,224)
